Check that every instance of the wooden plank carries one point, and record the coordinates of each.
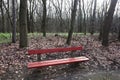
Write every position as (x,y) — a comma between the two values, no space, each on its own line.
(43,51)
(56,62)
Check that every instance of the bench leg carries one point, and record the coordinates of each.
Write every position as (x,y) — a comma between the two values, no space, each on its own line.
(38,57)
(74,65)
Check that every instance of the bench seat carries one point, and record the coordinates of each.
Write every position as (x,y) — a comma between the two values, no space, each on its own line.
(56,62)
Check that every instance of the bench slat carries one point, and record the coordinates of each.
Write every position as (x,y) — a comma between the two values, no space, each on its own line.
(56,62)
(43,51)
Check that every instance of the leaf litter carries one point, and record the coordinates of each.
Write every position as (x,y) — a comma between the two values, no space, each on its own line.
(13,61)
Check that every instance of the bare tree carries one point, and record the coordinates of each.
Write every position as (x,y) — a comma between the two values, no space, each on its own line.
(92,30)
(101,16)
(73,15)
(7,11)
(3,18)
(30,16)
(43,26)
(84,18)
(8,21)
(107,22)
(23,23)
(58,5)
(14,22)
(80,18)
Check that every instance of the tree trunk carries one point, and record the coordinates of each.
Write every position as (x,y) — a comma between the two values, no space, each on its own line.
(101,33)
(14,23)
(3,18)
(101,17)
(60,15)
(8,20)
(84,19)
(23,23)
(43,25)
(30,17)
(107,22)
(93,18)
(119,30)
(101,26)
(31,22)
(8,14)
(73,15)
(119,35)
(28,22)
(80,18)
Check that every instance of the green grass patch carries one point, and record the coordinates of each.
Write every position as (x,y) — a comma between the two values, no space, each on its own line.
(35,34)
(5,37)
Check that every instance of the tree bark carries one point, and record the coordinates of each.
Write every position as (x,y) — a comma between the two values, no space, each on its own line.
(30,17)
(3,18)
(101,17)
(84,19)
(107,22)
(93,18)
(73,15)
(23,23)
(28,22)
(119,30)
(43,25)
(8,20)
(101,33)
(80,18)
(14,23)
(119,35)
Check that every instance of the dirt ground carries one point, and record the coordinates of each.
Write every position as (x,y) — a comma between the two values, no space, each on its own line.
(13,61)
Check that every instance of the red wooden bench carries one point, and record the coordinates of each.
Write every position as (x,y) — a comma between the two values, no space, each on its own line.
(57,61)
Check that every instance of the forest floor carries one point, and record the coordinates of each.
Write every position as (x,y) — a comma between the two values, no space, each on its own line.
(13,61)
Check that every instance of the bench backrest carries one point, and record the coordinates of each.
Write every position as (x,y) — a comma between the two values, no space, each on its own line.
(43,51)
